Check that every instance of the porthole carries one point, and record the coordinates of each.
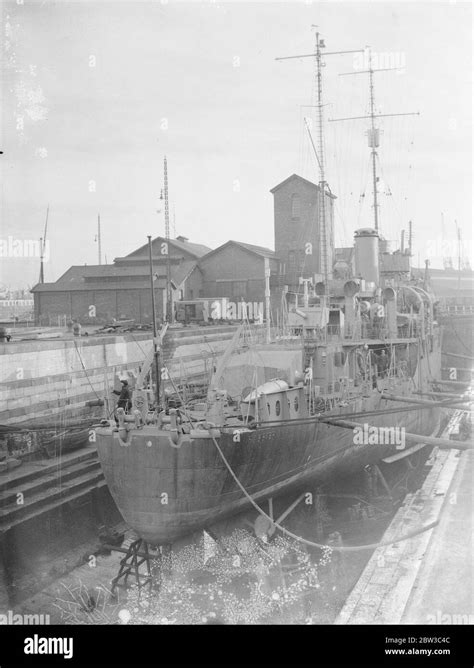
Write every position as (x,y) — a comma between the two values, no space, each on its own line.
(277,407)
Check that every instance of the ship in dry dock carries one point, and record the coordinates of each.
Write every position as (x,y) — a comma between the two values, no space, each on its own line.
(283,403)
(270,421)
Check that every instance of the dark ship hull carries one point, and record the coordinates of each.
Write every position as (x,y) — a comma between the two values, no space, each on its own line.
(165,490)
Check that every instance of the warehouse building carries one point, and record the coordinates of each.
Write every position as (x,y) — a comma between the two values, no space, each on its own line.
(101,293)
(235,270)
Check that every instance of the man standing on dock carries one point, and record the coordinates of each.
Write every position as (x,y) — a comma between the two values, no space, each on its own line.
(124,400)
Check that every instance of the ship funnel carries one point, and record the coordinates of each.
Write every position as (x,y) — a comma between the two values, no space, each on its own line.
(366,242)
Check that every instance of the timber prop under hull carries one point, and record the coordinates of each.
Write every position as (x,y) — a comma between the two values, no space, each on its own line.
(165,492)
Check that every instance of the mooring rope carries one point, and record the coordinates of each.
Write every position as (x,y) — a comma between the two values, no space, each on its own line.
(338,548)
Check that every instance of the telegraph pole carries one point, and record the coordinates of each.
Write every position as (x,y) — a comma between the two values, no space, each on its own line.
(43,246)
(373,133)
(169,297)
(459,253)
(155,333)
(325,262)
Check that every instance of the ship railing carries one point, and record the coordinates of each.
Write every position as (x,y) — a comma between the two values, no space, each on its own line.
(314,335)
(260,334)
(352,331)
(460,309)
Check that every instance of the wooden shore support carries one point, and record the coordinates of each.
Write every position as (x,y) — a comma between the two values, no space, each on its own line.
(442,443)
(463,357)
(440,381)
(425,402)
(448,395)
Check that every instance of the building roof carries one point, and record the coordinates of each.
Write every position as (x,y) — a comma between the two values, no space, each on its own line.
(299,178)
(447,274)
(90,285)
(250,248)
(88,277)
(259,250)
(447,283)
(77,273)
(197,250)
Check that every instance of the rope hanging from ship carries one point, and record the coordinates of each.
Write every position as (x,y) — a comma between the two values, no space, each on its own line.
(99,398)
(310,543)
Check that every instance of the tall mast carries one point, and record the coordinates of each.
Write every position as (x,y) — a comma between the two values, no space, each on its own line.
(267,299)
(169,304)
(42,247)
(447,260)
(325,261)
(459,253)
(373,144)
(373,133)
(99,240)
(153,310)
(41,276)
(322,178)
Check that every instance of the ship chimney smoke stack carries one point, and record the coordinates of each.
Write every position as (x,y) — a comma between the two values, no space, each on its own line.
(366,242)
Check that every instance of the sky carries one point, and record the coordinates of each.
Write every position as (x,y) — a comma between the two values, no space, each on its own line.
(95,94)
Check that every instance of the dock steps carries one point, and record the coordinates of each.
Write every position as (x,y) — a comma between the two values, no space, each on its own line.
(34,469)
(40,489)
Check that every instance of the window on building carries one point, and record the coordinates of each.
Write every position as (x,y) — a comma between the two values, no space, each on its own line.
(295,206)
(277,407)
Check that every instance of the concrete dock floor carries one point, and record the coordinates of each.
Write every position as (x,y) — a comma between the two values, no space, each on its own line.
(427,579)
(444,590)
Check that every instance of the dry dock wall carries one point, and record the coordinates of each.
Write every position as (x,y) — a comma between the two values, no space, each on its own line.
(40,379)
(44,379)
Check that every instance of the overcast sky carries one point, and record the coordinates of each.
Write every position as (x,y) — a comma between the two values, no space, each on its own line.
(94,94)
